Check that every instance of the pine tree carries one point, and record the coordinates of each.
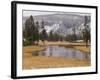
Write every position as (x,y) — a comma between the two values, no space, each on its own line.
(51,35)
(43,32)
(31,31)
(86,30)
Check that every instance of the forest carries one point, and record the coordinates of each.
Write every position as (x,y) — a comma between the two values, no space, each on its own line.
(35,31)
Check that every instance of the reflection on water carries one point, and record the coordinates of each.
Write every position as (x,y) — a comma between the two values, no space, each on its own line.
(59,51)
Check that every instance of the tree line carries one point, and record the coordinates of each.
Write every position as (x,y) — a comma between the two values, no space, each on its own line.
(31,32)
(35,31)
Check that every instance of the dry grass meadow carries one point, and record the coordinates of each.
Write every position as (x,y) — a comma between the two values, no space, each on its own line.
(32,62)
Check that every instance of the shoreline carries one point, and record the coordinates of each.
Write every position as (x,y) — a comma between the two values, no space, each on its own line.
(33,62)
(78,46)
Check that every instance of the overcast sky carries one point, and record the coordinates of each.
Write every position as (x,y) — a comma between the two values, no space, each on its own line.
(36,13)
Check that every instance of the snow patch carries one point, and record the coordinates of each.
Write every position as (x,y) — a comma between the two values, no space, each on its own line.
(54,27)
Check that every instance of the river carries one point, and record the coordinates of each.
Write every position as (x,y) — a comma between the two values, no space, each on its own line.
(61,51)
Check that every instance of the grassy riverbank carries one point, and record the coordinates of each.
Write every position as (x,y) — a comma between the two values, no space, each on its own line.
(31,62)
(27,50)
(79,46)
(52,62)
(83,48)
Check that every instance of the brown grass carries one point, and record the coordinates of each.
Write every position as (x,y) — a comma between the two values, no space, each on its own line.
(52,62)
(31,62)
(83,48)
(27,50)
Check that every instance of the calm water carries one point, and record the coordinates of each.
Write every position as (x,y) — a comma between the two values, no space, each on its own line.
(59,51)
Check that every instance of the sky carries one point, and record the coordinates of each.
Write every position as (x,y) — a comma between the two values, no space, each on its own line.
(36,13)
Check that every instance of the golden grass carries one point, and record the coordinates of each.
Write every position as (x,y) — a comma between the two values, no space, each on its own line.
(31,62)
(83,48)
(62,43)
(27,50)
(52,62)
(32,48)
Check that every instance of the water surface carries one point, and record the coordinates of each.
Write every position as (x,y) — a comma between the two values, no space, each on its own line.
(60,51)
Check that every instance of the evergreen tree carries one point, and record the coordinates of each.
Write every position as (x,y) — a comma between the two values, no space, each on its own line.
(37,31)
(51,35)
(43,32)
(86,31)
(31,32)
(74,35)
